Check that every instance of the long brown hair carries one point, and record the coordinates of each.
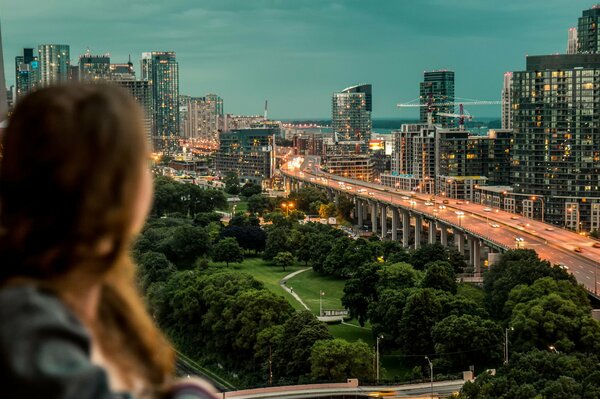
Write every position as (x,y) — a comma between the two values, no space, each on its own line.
(69,175)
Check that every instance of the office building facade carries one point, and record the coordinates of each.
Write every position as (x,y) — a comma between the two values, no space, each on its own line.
(588,38)
(55,63)
(201,121)
(506,97)
(437,89)
(141,91)
(27,73)
(351,118)
(161,70)
(572,41)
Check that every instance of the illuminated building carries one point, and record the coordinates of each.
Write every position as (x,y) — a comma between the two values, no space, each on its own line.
(438,88)
(587,31)
(507,101)
(55,63)
(250,153)
(161,70)
(142,92)
(351,118)
(3,93)
(557,131)
(201,120)
(94,67)
(572,41)
(27,73)
(356,166)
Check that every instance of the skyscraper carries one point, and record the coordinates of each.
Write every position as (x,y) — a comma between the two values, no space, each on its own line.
(587,30)
(161,69)
(142,92)
(507,101)
(201,121)
(438,88)
(3,92)
(55,62)
(572,41)
(556,158)
(27,73)
(94,67)
(351,118)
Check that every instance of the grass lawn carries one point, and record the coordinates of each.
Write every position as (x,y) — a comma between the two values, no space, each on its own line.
(351,333)
(269,275)
(471,291)
(308,284)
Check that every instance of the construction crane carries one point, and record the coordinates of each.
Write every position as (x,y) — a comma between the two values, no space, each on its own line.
(461,116)
(431,105)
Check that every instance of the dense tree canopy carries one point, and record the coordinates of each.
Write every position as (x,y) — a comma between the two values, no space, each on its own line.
(338,360)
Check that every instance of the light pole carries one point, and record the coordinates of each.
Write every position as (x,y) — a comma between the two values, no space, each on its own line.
(430,374)
(553,349)
(542,201)
(321,294)
(506,343)
(377,357)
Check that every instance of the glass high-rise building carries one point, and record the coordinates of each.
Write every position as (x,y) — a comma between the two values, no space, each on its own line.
(556,151)
(55,62)
(161,69)
(3,92)
(351,118)
(27,73)
(94,67)
(438,88)
(588,31)
(507,101)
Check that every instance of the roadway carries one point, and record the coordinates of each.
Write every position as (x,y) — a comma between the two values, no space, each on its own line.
(493,225)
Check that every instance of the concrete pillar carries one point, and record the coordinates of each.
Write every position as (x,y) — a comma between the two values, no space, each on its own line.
(432,232)
(336,199)
(443,233)
(395,222)
(374,217)
(471,241)
(477,256)
(459,240)
(418,230)
(365,205)
(383,209)
(359,212)
(329,194)
(405,228)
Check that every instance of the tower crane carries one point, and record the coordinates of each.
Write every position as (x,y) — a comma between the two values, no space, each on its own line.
(461,116)
(431,105)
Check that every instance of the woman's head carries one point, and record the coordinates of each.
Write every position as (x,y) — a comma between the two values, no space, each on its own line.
(74,186)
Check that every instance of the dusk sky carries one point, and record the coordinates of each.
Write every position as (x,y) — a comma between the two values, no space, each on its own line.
(295,53)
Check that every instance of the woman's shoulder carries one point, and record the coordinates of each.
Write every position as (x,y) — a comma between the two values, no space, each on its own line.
(26,308)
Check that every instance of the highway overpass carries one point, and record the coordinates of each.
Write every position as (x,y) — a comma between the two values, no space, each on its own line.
(474,226)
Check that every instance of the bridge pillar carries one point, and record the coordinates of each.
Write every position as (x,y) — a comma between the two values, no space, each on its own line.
(476,256)
(374,217)
(418,230)
(395,221)
(471,241)
(459,240)
(329,194)
(432,232)
(405,228)
(359,212)
(383,209)
(336,199)
(443,233)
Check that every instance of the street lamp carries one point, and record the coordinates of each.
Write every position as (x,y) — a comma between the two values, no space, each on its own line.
(430,374)
(553,349)
(542,201)
(377,352)
(506,343)
(321,294)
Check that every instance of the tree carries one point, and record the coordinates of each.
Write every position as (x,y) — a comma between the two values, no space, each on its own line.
(307,198)
(300,332)
(326,210)
(278,240)
(260,204)
(427,254)
(344,207)
(338,360)
(249,189)
(360,290)
(153,267)
(440,275)
(250,238)
(385,314)
(185,244)
(422,311)
(399,276)
(515,267)
(284,259)
(232,183)
(227,250)
(470,339)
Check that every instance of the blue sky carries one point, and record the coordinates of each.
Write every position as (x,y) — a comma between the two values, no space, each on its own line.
(295,53)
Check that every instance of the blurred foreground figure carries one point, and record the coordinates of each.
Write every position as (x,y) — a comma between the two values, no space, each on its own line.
(75,190)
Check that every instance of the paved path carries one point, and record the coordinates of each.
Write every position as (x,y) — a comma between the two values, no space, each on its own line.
(283,281)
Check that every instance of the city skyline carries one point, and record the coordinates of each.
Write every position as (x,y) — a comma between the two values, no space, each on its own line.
(297,55)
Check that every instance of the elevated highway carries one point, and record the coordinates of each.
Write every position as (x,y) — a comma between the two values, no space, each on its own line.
(473,226)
